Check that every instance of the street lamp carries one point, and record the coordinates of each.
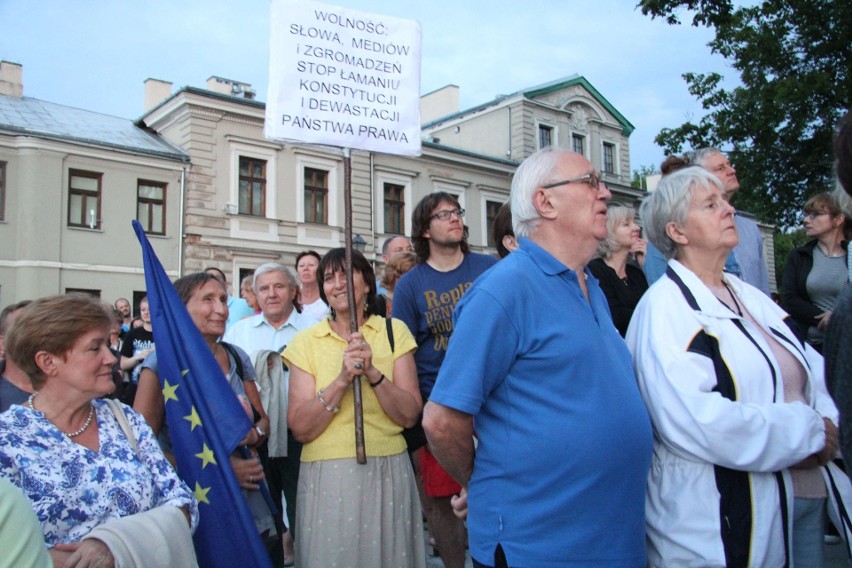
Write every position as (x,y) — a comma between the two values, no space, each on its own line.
(360,243)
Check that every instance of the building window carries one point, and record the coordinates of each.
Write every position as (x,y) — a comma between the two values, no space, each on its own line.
(578,144)
(545,136)
(491,209)
(316,196)
(252,192)
(608,158)
(2,191)
(84,199)
(243,273)
(151,206)
(394,208)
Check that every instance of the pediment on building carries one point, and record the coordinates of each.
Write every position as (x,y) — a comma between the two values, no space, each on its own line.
(577,96)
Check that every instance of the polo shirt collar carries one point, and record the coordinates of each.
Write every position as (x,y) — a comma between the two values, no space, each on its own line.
(546,262)
(261,319)
(323,328)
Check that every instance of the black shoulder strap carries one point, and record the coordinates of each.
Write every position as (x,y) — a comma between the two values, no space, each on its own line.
(238,362)
(390,332)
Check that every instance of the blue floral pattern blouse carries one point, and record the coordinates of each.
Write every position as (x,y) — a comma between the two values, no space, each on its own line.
(73,489)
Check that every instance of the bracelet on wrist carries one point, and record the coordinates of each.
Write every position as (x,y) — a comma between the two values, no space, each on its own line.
(377,383)
(332,409)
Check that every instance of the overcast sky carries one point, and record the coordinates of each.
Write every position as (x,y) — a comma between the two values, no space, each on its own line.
(95,55)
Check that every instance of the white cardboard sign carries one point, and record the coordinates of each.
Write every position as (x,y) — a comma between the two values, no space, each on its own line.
(341,77)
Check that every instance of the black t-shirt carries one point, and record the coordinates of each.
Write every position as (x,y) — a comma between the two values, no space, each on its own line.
(137,339)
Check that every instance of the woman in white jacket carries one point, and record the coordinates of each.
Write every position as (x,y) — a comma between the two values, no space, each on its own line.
(742,421)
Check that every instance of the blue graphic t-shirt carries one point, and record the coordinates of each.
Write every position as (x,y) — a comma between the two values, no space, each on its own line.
(424,299)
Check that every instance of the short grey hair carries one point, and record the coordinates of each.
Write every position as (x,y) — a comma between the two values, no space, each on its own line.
(386,244)
(669,203)
(288,272)
(615,215)
(700,156)
(534,172)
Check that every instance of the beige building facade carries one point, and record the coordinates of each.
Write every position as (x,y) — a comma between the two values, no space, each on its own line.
(71,182)
(250,200)
(211,190)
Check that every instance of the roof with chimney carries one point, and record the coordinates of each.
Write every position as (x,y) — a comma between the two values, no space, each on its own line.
(41,119)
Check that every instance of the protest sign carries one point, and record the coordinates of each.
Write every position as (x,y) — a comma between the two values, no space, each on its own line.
(341,77)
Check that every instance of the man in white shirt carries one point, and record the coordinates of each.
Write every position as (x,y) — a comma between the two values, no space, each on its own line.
(276,287)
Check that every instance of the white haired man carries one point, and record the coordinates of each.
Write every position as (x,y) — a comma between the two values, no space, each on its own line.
(276,287)
(537,366)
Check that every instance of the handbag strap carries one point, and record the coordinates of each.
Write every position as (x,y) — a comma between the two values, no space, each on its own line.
(389,324)
(123,423)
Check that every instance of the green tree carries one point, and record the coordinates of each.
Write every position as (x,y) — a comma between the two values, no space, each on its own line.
(640,174)
(793,58)
(784,242)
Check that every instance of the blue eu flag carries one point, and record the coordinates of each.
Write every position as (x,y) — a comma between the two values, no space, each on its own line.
(206,423)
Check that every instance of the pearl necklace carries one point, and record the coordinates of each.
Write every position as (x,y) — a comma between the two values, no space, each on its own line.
(76,432)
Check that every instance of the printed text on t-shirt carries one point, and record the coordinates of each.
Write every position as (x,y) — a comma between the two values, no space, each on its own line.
(439,316)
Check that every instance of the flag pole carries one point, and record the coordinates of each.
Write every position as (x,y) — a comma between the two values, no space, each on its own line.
(360,451)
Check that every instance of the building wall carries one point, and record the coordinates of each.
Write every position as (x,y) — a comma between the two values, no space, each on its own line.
(216,132)
(41,255)
(510,128)
(486,133)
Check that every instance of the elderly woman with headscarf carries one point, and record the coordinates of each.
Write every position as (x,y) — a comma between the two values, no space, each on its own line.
(91,468)
(622,283)
(743,423)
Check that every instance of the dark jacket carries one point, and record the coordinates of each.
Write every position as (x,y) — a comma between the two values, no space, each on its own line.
(794,293)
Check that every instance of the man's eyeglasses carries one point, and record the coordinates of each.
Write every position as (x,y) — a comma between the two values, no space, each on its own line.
(593,180)
(448,214)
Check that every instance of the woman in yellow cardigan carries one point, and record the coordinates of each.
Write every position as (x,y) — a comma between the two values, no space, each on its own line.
(350,514)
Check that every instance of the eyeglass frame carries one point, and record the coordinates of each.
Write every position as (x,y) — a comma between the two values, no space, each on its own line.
(448,214)
(814,214)
(593,180)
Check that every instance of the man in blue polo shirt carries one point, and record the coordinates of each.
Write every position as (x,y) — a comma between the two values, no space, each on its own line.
(537,368)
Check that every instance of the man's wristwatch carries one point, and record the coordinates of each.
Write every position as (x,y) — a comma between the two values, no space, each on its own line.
(259,430)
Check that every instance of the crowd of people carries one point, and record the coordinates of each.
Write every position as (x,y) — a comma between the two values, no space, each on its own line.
(594,397)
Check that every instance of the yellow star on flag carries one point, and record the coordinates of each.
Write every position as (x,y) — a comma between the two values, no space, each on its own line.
(169,392)
(193,419)
(201,493)
(206,456)
(184,372)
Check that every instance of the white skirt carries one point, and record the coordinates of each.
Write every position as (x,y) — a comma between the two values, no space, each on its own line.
(359,516)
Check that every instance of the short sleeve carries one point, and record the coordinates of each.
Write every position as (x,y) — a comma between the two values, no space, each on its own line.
(404,341)
(297,352)
(404,306)
(150,362)
(249,373)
